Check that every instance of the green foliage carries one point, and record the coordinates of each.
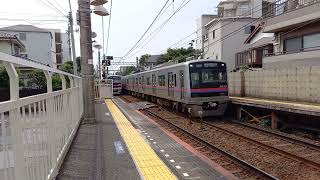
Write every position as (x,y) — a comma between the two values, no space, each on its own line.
(178,54)
(56,82)
(128,70)
(4,78)
(143,59)
(67,67)
(36,79)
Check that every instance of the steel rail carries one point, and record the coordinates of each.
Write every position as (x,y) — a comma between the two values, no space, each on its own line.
(246,165)
(276,150)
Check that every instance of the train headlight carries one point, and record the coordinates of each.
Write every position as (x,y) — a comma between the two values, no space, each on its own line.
(212,104)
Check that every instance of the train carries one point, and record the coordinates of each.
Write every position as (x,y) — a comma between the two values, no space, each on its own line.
(116,83)
(197,87)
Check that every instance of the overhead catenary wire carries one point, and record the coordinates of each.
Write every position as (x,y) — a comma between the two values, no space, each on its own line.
(51,6)
(152,23)
(156,31)
(60,6)
(109,27)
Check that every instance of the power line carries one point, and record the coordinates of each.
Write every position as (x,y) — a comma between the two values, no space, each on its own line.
(183,4)
(51,6)
(108,35)
(154,20)
(60,6)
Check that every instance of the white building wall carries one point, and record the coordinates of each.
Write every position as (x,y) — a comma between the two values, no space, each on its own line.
(213,47)
(234,43)
(5,47)
(65,48)
(38,46)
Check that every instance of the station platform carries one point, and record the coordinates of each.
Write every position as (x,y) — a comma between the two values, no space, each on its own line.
(125,144)
(280,105)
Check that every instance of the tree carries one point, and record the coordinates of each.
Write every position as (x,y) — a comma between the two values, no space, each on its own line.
(128,70)
(178,54)
(37,79)
(143,59)
(4,78)
(67,67)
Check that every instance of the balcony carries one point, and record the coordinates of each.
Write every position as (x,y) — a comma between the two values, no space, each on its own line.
(253,57)
(303,58)
(284,14)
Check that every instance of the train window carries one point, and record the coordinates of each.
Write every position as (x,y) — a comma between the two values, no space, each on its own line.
(137,81)
(175,80)
(148,80)
(161,80)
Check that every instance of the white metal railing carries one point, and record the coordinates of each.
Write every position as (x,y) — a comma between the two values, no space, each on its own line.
(36,131)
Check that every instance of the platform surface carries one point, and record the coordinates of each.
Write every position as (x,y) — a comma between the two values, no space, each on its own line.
(289,106)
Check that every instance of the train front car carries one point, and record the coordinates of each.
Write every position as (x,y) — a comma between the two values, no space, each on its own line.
(117,84)
(208,88)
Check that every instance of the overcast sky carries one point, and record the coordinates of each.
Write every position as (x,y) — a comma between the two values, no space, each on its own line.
(130,18)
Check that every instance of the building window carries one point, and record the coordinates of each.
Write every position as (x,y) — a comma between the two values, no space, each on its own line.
(311,41)
(22,36)
(213,34)
(205,38)
(293,44)
(249,29)
(243,10)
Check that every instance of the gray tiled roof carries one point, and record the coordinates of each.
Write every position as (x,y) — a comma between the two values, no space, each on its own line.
(7,35)
(24,28)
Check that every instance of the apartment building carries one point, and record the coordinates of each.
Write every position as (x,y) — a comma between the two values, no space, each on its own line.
(10,44)
(37,42)
(296,28)
(221,36)
(60,48)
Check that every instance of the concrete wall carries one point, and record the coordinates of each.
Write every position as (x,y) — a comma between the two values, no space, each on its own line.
(38,46)
(5,47)
(212,47)
(294,84)
(235,43)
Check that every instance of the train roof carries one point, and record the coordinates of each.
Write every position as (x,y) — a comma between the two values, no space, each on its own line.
(177,65)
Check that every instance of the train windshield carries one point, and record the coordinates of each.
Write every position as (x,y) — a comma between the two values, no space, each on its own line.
(116,79)
(208,75)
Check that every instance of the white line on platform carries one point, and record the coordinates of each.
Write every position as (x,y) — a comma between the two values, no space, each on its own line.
(166,155)
(178,167)
(148,136)
(145,133)
(161,150)
(171,160)
(107,114)
(185,174)
(154,142)
(151,139)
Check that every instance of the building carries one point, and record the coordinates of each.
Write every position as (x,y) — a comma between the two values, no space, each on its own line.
(296,25)
(10,44)
(260,45)
(221,36)
(151,61)
(60,48)
(36,40)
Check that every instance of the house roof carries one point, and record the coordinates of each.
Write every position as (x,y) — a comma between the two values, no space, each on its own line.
(10,37)
(24,28)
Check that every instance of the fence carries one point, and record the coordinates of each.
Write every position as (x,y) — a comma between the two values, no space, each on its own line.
(36,131)
(298,84)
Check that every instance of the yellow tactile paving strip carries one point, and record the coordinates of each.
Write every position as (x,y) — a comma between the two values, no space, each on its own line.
(148,163)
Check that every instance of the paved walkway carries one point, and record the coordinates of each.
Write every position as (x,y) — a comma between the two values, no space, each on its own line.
(92,155)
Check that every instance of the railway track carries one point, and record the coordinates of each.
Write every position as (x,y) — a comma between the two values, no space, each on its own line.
(248,152)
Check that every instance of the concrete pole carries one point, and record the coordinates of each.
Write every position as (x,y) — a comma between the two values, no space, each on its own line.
(86,61)
(74,58)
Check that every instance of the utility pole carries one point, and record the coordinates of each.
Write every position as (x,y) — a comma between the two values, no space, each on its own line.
(87,61)
(75,67)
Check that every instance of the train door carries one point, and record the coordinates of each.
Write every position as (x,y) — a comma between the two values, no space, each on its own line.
(154,83)
(170,84)
(181,85)
(142,83)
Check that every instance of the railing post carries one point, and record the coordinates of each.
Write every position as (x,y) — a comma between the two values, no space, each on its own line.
(49,81)
(14,80)
(72,85)
(14,115)
(63,80)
